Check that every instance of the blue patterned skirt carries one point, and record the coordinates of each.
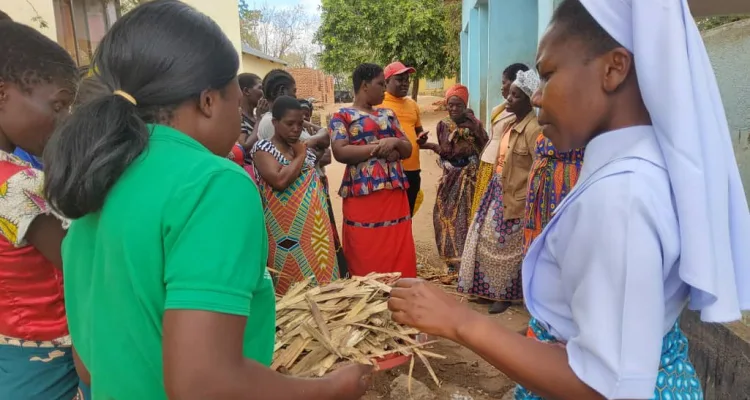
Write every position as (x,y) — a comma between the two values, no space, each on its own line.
(677,379)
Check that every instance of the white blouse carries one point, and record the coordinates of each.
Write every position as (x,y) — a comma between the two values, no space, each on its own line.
(602,277)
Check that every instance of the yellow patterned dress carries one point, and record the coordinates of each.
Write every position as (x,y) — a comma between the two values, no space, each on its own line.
(301,241)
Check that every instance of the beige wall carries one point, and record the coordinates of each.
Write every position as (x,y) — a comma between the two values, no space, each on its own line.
(226,13)
(24,12)
(258,66)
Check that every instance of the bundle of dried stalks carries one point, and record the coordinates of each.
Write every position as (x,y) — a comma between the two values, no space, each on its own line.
(318,328)
(435,274)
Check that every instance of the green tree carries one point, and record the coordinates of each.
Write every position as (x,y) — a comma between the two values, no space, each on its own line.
(249,21)
(708,23)
(415,32)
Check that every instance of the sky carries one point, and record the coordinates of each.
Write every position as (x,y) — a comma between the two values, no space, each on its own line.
(311,6)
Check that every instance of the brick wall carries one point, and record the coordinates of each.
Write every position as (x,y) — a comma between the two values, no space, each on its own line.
(313,83)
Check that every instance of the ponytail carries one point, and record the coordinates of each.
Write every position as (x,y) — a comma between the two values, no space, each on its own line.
(159,56)
(91,151)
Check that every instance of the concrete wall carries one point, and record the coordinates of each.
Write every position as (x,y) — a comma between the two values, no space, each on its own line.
(258,66)
(729,50)
(721,356)
(440,92)
(27,12)
(495,35)
(226,13)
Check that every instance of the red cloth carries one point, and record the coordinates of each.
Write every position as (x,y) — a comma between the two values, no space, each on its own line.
(237,155)
(458,90)
(32,304)
(377,234)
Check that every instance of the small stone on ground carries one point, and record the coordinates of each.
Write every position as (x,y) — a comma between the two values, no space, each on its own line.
(400,389)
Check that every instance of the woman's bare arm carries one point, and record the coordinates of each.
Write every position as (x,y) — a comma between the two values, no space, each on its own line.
(203,359)
(350,154)
(277,175)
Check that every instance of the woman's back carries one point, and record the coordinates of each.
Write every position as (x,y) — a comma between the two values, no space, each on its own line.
(134,260)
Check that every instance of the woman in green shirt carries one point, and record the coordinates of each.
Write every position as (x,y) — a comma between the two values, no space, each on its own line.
(161,303)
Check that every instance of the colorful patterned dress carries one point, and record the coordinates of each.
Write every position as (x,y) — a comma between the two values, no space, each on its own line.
(36,358)
(459,159)
(552,177)
(377,234)
(301,237)
(491,261)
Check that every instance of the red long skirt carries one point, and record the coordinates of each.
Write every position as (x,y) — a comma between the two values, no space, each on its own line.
(377,234)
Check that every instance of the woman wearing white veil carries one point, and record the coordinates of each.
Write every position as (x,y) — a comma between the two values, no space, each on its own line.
(657,221)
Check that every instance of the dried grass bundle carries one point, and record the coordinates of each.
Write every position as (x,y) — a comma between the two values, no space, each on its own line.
(318,328)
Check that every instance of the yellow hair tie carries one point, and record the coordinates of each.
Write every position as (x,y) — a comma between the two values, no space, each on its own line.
(125,96)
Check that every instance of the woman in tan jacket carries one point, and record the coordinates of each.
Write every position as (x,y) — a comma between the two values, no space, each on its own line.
(491,262)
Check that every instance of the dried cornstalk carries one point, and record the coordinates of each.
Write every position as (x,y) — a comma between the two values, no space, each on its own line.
(318,328)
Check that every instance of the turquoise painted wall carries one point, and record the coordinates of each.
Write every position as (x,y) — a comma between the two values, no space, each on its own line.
(496,34)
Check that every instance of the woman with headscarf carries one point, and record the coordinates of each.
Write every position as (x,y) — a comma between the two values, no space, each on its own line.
(461,137)
(657,221)
(499,118)
(491,262)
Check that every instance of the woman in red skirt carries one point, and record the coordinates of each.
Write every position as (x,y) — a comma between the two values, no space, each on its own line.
(377,233)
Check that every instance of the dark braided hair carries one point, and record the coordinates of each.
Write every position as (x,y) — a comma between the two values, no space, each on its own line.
(573,20)
(30,58)
(4,16)
(365,73)
(511,72)
(277,83)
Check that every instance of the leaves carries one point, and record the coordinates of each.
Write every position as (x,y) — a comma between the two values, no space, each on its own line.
(419,33)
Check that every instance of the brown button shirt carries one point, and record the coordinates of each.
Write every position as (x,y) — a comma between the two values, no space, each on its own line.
(518,159)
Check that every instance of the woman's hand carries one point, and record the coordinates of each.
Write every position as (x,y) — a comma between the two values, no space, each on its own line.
(261,108)
(428,308)
(350,382)
(385,147)
(393,156)
(300,149)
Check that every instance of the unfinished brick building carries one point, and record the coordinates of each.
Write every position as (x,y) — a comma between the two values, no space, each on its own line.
(313,83)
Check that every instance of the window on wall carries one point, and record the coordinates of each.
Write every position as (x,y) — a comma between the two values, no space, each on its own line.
(434,84)
(81,25)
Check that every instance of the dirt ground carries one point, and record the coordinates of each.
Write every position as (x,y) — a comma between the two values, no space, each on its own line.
(464,375)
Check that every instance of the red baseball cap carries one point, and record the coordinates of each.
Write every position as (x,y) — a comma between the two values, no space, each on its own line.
(397,68)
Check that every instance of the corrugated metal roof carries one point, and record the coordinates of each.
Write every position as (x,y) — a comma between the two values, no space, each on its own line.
(257,53)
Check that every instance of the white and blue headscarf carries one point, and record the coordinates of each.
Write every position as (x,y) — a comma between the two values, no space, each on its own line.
(680,92)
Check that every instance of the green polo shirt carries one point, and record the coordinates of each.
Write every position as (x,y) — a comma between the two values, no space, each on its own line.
(181,229)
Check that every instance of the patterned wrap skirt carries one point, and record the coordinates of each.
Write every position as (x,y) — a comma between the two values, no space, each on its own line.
(38,370)
(484,176)
(677,378)
(452,213)
(492,256)
(301,237)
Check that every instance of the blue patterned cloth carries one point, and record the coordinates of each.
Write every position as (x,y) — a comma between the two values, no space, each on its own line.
(677,379)
(26,156)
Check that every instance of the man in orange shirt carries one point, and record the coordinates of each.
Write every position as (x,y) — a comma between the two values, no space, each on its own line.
(397,77)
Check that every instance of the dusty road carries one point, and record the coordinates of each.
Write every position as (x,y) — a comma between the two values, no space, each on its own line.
(464,374)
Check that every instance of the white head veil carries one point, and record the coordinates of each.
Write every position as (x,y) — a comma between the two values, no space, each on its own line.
(679,88)
(527,81)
